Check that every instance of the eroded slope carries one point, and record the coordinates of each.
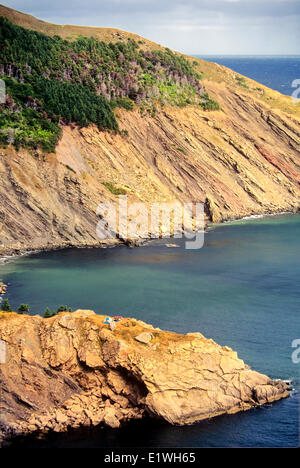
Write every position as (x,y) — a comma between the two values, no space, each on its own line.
(240,161)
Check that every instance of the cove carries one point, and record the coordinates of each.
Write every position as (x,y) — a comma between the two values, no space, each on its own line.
(241,289)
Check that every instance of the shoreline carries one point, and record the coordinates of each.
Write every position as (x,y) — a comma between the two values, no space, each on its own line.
(253,217)
(16,253)
(258,216)
(10,254)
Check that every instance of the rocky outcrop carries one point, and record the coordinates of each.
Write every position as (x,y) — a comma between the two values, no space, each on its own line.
(71,370)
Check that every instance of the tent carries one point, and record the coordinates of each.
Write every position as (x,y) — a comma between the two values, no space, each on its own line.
(107,320)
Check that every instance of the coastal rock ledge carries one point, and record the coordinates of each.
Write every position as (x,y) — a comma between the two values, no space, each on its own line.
(71,371)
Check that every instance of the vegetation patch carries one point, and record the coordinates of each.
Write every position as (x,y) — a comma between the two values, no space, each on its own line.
(241,81)
(179,149)
(33,110)
(70,168)
(25,309)
(23,120)
(5,306)
(173,94)
(209,104)
(51,81)
(113,189)
(124,102)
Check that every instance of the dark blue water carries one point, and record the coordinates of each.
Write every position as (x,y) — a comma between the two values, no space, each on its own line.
(241,289)
(276,72)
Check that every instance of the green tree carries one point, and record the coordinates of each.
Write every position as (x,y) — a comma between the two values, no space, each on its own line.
(47,313)
(5,306)
(23,309)
(62,308)
(57,81)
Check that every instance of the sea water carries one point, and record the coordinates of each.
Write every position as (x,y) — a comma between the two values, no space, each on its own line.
(275,71)
(241,289)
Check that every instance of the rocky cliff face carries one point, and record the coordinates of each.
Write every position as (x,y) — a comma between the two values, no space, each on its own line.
(72,370)
(240,160)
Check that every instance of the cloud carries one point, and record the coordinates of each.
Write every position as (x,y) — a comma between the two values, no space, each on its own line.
(196,27)
(119,8)
(192,26)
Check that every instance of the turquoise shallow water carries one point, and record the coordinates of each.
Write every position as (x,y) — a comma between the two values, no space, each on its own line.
(241,289)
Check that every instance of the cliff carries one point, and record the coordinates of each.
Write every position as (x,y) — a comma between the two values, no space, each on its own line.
(245,165)
(240,160)
(71,371)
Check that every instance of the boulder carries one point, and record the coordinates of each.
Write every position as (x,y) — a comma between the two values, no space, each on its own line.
(144,337)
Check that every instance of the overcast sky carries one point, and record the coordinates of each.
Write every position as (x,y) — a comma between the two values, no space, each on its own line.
(190,26)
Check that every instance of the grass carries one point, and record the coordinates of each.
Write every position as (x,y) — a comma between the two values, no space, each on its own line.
(113,189)
(129,328)
(179,149)
(242,82)
(171,93)
(209,104)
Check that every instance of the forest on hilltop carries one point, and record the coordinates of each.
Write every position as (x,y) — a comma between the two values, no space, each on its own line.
(52,81)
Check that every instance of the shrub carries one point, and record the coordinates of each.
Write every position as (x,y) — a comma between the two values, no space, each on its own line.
(23,309)
(54,101)
(70,168)
(113,189)
(209,104)
(48,313)
(241,81)
(125,102)
(5,306)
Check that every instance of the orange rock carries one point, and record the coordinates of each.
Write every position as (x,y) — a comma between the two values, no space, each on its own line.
(70,371)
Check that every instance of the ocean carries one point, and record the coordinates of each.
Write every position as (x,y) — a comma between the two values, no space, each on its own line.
(275,71)
(241,289)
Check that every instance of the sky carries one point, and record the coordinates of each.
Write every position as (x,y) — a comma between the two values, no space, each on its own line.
(195,27)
